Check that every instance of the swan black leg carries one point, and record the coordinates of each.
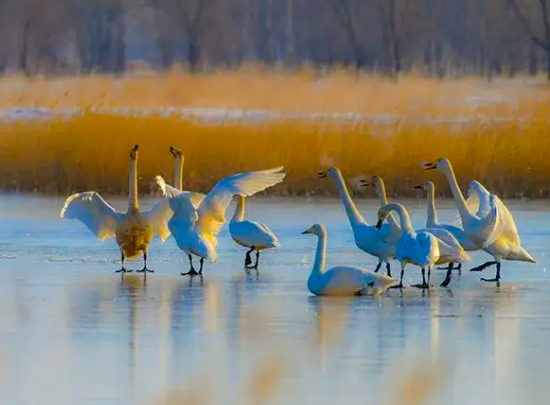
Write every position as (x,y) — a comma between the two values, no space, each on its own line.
(191,271)
(388,270)
(122,269)
(202,264)
(447,280)
(400,285)
(483,266)
(145,269)
(424,284)
(459,268)
(247,259)
(378,266)
(497,276)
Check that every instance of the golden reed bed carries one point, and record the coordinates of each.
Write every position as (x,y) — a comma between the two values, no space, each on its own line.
(90,152)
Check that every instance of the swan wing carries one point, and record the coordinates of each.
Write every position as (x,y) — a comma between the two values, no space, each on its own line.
(477,202)
(94,212)
(182,204)
(158,216)
(503,224)
(213,207)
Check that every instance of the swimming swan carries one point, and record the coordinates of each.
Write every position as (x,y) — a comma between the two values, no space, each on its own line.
(195,228)
(433,223)
(423,248)
(133,230)
(491,228)
(341,280)
(376,242)
(250,234)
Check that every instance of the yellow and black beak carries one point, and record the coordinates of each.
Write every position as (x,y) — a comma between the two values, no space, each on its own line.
(134,151)
(175,151)
(364,183)
(430,166)
(379,223)
(322,175)
(419,187)
(308,230)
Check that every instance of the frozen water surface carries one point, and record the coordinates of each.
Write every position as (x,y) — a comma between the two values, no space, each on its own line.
(73,332)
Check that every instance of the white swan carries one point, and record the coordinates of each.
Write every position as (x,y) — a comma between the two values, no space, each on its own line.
(195,228)
(433,223)
(133,230)
(491,228)
(341,280)
(423,248)
(250,234)
(376,242)
(196,198)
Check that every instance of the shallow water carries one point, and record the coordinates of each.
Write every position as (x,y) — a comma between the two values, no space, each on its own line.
(72,331)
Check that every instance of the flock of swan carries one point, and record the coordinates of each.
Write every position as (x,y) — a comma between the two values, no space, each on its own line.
(195,219)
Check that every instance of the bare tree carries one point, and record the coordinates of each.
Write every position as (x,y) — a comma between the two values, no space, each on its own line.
(534,16)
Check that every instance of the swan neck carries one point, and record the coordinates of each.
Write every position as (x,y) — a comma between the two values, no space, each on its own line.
(404,217)
(238,216)
(457,194)
(383,198)
(432,213)
(178,169)
(320,255)
(132,193)
(351,210)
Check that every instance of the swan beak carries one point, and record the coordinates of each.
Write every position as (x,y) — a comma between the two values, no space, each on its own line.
(134,152)
(379,224)
(308,230)
(364,183)
(430,166)
(420,187)
(322,175)
(175,151)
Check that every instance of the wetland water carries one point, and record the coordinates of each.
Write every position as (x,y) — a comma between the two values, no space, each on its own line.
(72,332)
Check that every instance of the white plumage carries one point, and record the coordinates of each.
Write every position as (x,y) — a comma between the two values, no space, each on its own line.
(341,280)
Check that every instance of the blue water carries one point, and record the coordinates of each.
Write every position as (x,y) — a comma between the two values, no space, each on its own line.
(73,332)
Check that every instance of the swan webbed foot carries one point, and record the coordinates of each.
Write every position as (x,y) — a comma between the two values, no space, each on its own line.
(191,273)
(483,266)
(491,280)
(423,286)
(123,270)
(145,270)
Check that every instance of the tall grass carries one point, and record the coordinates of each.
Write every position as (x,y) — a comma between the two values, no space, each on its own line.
(300,90)
(91,152)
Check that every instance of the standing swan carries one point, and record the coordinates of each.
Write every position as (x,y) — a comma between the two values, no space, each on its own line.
(433,223)
(195,228)
(423,248)
(250,234)
(133,230)
(341,280)
(491,228)
(376,242)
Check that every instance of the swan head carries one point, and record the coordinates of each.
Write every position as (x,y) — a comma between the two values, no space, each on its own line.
(426,186)
(175,152)
(316,229)
(331,171)
(134,152)
(441,164)
(374,181)
(383,213)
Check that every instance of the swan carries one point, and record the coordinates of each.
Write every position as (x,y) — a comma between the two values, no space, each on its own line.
(133,230)
(195,228)
(376,242)
(196,198)
(250,234)
(341,280)
(423,248)
(491,228)
(433,223)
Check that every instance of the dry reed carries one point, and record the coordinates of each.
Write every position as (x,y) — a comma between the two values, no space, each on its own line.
(90,152)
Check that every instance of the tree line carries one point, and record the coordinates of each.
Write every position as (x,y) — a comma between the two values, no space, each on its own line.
(389,37)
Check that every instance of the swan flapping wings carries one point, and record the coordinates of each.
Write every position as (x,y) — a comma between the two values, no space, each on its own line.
(209,215)
(94,212)
(158,216)
(503,223)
